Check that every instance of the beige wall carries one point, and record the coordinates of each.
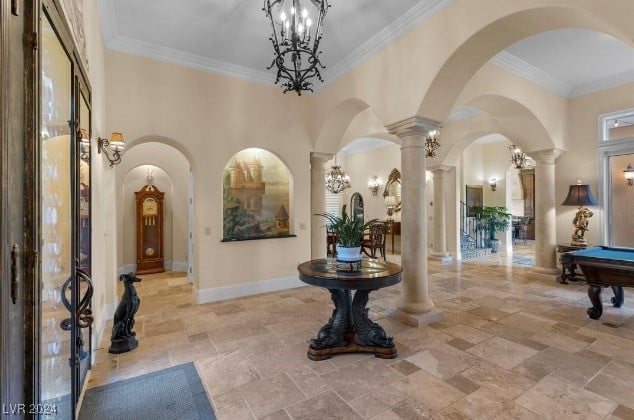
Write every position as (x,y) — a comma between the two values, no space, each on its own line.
(104,245)
(457,42)
(209,118)
(472,167)
(580,162)
(362,166)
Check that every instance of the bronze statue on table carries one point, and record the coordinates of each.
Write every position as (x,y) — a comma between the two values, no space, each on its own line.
(123,338)
(581,226)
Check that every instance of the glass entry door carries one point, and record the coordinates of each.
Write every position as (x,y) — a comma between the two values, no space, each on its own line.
(64,159)
(56,217)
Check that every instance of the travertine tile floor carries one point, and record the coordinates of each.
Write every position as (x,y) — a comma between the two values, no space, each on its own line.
(509,346)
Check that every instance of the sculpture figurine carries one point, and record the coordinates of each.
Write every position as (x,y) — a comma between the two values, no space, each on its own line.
(123,338)
(581,225)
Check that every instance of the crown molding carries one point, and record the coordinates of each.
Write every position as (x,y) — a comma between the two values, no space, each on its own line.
(533,74)
(414,16)
(417,14)
(170,55)
(422,11)
(602,84)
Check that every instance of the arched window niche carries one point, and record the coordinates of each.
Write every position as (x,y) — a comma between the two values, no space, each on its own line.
(256,187)
(615,153)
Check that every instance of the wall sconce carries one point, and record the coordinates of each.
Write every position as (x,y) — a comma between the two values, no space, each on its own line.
(112,148)
(629,175)
(84,144)
(493,184)
(374,184)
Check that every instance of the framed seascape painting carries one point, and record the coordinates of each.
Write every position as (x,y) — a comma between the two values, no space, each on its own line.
(255,196)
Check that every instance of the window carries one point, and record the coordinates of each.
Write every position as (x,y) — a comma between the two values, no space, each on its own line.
(334,203)
(616,126)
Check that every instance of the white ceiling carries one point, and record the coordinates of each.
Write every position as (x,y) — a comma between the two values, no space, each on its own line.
(231,37)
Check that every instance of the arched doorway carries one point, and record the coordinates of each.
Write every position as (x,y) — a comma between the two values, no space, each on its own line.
(170,172)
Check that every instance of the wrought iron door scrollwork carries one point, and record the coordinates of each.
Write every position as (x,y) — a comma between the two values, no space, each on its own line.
(84,312)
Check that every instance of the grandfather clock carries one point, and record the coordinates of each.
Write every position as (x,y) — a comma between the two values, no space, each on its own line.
(149,230)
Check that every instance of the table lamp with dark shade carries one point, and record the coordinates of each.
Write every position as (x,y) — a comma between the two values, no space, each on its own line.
(580,195)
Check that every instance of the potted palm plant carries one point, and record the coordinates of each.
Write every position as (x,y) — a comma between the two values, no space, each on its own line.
(349,234)
(493,220)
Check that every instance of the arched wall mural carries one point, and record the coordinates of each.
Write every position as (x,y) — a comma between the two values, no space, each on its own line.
(256,196)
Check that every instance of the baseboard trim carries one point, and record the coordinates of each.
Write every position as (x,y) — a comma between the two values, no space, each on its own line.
(107,313)
(247,289)
(179,266)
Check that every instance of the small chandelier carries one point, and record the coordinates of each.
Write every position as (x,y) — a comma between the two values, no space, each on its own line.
(337,180)
(431,143)
(295,41)
(518,158)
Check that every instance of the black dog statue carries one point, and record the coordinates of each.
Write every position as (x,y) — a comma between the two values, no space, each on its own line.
(123,338)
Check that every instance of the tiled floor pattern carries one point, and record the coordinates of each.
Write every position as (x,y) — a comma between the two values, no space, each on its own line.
(509,346)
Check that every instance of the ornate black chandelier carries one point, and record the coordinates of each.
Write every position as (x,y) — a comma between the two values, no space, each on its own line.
(518,158)
(295,41)
(431,143)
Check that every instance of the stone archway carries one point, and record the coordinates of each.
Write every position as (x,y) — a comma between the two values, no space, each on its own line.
(479,47)
(519,124)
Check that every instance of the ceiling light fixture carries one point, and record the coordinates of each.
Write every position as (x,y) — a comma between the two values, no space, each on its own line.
(518,158)
(337,180)
(295,41)
(431,143)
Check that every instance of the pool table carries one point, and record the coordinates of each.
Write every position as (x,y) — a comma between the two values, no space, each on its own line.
(605,266)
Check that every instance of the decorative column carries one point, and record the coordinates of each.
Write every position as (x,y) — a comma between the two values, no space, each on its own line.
(545,214)
(416,307)
(440,214)
(318,203)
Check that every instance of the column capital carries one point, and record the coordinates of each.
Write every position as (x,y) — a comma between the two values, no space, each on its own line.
(439,169)
(546,156)
(413,126)
(324,157)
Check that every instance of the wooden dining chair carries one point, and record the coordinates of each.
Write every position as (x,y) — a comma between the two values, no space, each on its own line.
(331,242)
(375,240)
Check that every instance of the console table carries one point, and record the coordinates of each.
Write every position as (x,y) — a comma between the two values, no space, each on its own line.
(349,328)
(568,267)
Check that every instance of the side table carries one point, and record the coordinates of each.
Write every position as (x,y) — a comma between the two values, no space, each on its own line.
(568,267)
(349,328)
